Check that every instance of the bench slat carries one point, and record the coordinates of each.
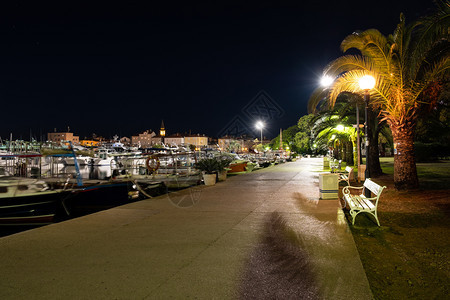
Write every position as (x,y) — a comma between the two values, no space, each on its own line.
(361,203)
(364,203)
(372,186)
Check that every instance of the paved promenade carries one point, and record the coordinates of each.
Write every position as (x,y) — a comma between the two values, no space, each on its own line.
(195,244)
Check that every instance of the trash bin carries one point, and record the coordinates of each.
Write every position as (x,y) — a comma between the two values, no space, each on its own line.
(326,162)
(328,186)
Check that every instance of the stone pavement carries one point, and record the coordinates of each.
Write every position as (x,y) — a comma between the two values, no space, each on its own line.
(190,244)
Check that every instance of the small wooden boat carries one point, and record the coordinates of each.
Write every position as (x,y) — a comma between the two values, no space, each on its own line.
(237,168)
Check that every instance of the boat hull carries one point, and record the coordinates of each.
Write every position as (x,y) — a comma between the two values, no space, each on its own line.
(237,168)
(101,196)
(30,210)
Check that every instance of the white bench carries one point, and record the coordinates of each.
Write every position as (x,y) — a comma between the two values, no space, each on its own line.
(359,203)
(335,165)
(346,176)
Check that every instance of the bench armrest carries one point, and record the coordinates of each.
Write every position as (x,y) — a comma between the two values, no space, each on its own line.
(346,189)
(372,199)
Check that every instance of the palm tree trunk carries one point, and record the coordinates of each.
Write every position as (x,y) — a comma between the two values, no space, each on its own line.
(375,166)
(405,172)
(349,152)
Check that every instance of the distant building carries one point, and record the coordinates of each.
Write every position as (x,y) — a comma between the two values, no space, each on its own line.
(199,141)
(174,140)
(229,143)
(247,143)
(58,137)
(143,140)
(125,140)
(157,140)
(89,143)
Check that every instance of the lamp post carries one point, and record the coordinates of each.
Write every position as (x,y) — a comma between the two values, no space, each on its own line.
(358,142)
(260,126)
(367,83)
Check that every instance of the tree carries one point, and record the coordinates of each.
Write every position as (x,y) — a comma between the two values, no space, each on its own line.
(334,131)
(344,109)
(405,64)
(288,138)
(234,146)
(302,140)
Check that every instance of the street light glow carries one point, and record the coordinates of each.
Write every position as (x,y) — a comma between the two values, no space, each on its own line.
(340,128)
(326,81)
(367,82)
(259,125)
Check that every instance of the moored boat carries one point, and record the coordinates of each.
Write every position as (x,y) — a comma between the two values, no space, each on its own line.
(96,195)
(238,167)
(28,201)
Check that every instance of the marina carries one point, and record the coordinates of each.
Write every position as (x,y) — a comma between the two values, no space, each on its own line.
(40,186)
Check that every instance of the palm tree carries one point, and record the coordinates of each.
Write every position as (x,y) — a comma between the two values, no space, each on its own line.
(404,64)
(345,107)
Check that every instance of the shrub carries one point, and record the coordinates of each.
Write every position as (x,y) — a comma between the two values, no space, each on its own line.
(207,165)
(430,151)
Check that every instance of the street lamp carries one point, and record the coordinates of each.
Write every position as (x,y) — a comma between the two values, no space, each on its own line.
(367,83)
(260,126)
(326,81)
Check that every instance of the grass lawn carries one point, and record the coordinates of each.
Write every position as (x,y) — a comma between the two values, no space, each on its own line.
(408,256)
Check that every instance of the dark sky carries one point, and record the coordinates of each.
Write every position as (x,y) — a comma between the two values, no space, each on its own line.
(122,68)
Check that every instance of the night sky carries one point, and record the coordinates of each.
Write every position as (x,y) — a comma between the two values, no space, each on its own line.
(121,69)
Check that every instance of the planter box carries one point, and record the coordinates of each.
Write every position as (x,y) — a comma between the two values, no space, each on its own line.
(222,176)
(209,179)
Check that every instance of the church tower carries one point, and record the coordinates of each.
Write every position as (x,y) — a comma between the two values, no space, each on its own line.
(281,139)
(162,131)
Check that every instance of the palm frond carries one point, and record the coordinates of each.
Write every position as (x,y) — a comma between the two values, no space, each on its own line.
(428,31)
(371,43)
(317,97)
(404,64)
(436,72)
(348,63)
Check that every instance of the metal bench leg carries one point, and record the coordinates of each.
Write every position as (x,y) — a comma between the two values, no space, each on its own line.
(345,203)
(376,218)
